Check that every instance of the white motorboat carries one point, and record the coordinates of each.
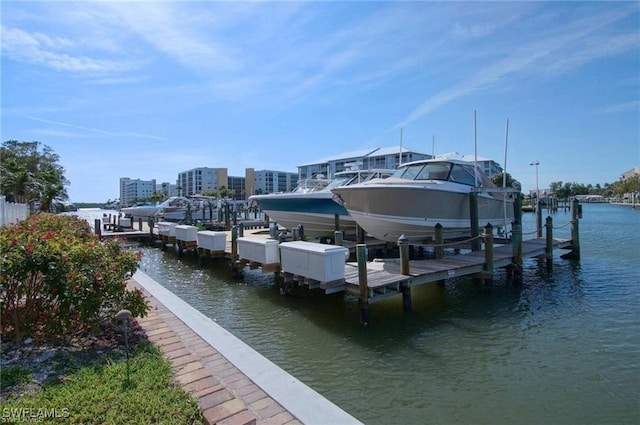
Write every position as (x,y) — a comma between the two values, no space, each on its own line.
(178,208)
(315,209)
(422,194)
(143,211)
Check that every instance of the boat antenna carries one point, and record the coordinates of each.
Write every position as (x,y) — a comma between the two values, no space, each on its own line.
(400,160)
(506,144)
(504,172)
(433,146)
(475,143)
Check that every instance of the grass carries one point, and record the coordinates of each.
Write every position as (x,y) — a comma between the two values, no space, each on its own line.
(10,376)
(142,392)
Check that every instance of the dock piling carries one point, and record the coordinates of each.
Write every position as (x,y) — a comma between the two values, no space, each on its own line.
(338,238)
(488,252)
(403,245)
(473,216)
(549,242)
(363,286)
(516,244)
(575,237)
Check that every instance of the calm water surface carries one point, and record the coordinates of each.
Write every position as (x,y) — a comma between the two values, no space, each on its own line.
(561,348)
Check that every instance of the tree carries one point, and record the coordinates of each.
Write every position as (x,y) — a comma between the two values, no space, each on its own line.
(32,173)
(511,182)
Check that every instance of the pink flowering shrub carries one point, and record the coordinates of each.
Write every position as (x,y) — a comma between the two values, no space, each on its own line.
(57,277)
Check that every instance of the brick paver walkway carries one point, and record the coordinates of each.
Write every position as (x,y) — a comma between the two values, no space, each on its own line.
(225,395)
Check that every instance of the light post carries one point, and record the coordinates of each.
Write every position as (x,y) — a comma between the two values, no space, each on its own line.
(536,163)
(538,210)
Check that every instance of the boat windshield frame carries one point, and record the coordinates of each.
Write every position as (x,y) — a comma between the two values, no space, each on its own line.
(441,171)
(310,185)
(347,178)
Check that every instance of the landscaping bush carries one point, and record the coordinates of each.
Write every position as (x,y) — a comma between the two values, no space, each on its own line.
(58,277)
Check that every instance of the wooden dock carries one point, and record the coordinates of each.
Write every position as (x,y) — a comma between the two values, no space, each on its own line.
(376,280)
(385,279)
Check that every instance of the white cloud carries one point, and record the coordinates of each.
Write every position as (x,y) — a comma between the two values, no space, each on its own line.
(41,49)
(551,51)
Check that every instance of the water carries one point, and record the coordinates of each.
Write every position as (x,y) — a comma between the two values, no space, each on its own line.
(561,348)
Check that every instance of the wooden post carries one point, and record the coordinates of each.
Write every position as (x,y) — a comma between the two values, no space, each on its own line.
(151,236)
(549,245)
(241,230)
(273,231)
(236,270)
(359,234)
(516,244)
(575,234)
(538,218)
(517,206)
(363,285)
(337,237)
(488,251)
(403,244)
(97,227)
(227,218)
(473,216)
(234,243)
(439,250)
(301,232)
(336,222)
(439,240)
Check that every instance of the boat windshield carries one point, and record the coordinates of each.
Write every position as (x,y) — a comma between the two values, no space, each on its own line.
(353,177)
(446,171)
(343,180)
(310,185)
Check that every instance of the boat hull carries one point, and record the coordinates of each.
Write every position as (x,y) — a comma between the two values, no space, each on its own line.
(387,212)
(141,211)
(315,212)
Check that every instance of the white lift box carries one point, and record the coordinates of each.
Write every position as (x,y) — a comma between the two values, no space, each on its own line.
(260,250)
(166,228)
(186,233)
(321,262)
(213,241)
(125,222)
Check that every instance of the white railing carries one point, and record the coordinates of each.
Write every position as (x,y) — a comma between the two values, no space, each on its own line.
(11,213)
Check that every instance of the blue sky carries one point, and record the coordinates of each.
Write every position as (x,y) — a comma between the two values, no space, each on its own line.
(149,89)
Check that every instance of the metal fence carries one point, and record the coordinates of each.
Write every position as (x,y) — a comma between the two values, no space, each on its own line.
(10,212)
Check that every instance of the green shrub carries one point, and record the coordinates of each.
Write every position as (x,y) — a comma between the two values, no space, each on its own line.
(57,277)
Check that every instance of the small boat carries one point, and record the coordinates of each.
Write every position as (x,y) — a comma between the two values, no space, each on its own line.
(183,208)
(422,194)
(312,205)
(141,211)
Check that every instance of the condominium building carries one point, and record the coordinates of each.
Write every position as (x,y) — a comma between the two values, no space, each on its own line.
(135,190)
(488,166)
(365,159)
(270,181)
(201,180)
